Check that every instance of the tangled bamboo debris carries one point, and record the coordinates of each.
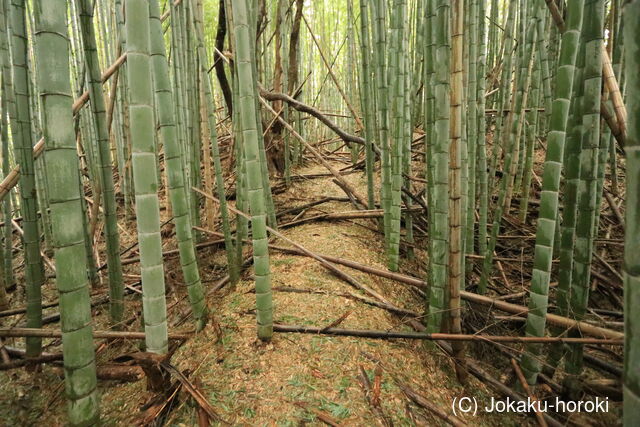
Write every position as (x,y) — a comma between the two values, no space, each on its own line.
(329,266)
(345,185)
(515,309)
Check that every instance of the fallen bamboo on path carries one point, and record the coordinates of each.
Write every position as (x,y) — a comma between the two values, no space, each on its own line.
(367,333)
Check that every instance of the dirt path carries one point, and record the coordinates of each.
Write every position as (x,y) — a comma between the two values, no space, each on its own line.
(296,379)
(256,384)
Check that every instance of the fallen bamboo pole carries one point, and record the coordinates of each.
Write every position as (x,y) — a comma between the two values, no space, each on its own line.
(367,333)
(55,333)
(363,214)
(515,309)
(525,387)
(490,381)
(423,402)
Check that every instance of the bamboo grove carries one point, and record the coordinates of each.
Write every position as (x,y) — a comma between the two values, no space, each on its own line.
(467,120)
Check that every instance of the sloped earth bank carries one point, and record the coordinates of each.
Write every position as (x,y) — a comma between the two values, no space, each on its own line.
(297,379)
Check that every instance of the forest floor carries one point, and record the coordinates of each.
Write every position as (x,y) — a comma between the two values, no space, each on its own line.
(296,379)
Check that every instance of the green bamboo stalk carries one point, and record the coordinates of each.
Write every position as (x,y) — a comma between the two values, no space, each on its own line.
(173,161)
(397,69)
(366,95)
(417,74)
(407,140)
(572,166)
(23,147)
(483,190)
(438,293)
(548,214)
(381,73)
(247,114)
(123,142)
(631,387)
(232,263)
(533,117)
(350,78)
(52,52)
(618,53)
(7,105)
(264,171)
(429,109)
(526,61)
(456,195)
(493,35)
(144,175)
(472,127)
(583,250)
(179,93)
(504,92)
(105,177)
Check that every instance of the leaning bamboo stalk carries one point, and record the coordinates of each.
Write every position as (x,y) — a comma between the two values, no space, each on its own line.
(22,138)
(165,113)
(105,177)
(611,84)
(525,387)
